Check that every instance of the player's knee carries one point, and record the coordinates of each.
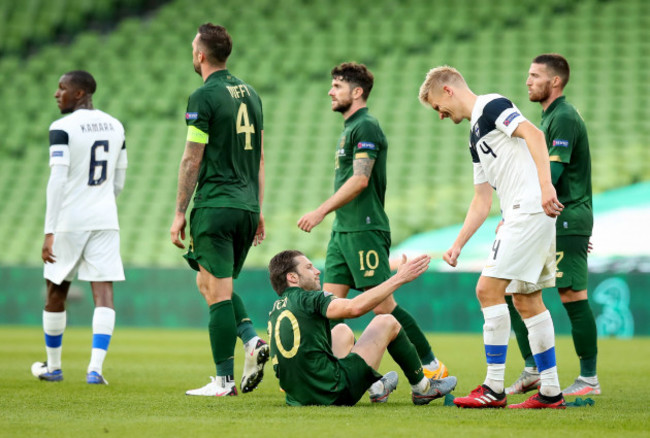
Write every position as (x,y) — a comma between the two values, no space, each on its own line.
(387,322)
(343,332)
(482,293)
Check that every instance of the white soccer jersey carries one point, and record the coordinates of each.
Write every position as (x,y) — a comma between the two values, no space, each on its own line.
(500,159)
(91,143)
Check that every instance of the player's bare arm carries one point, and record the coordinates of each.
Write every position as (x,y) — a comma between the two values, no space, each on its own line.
(188,175)
(478,211)
(408,271)
(536,143)
(362,169)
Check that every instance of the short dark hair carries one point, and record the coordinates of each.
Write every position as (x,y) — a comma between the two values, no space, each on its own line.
(279,266)
(83,80)
(558,65)
(356,74)
(216,42)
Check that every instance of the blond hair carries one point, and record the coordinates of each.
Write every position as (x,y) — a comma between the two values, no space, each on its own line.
(437,78)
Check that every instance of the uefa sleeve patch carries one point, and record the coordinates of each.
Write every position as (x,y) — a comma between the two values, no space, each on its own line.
(191,116)
(561,143)
(510,118)
(57,154)
(366,145)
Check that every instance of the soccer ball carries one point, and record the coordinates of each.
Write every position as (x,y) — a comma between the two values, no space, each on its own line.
(39,368)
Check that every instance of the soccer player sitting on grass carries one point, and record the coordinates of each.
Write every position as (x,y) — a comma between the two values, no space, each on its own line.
(317,365)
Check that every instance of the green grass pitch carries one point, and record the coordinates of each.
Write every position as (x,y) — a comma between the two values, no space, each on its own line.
(150,369)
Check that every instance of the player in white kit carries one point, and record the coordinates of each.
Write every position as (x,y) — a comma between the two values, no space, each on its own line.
(510,156)
(88,167)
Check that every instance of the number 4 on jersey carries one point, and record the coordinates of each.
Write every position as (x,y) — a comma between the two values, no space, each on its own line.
(244,126)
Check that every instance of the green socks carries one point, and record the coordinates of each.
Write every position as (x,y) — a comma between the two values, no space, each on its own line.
(585,335)
(245,329)
(415,334)
(583,330)
(405,355)
(521,332)
(223,336)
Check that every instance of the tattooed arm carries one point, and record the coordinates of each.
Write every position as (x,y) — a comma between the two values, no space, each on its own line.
(188,175)
(362,169)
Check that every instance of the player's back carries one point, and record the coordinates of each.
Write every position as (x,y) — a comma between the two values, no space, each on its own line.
(230,112)
(90,142)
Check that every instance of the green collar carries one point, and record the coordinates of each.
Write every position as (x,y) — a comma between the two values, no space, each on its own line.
(553,105)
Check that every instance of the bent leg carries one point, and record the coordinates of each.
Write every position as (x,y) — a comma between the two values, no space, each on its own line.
(342,340)
(410,326)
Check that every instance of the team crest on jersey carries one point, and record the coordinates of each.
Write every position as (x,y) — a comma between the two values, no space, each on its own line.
(191,116)
(366,145)
(561,143)
(477,131)
(510,118)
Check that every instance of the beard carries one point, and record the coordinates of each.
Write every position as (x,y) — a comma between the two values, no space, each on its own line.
(309,284)
(197,68)
(342,107)
(541,95)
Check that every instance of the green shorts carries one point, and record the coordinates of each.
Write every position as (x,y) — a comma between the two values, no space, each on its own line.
(220,239)
(571,262)
(357,259)
(357,376)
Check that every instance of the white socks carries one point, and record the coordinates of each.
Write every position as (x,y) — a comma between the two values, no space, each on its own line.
(53,326)
(422,386)
(496,333)
(103,325)
(541,337)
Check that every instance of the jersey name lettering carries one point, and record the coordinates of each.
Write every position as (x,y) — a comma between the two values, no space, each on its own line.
(96,127)
(238,91)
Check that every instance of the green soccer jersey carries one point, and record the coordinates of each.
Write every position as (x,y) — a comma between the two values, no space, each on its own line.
(362,138)
(301,347)
(226,115)
(567,142)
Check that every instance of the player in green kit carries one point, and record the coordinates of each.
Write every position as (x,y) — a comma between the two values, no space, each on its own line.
(317,366)
(224,162)
(568,147)
(357,254)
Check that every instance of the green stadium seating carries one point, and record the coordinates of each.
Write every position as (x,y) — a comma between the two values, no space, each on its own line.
(285,49)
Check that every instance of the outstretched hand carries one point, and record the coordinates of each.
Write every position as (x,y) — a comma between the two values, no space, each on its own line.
(409,270)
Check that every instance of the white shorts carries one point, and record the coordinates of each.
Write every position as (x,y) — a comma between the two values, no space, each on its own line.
(524,252)
(95,255)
